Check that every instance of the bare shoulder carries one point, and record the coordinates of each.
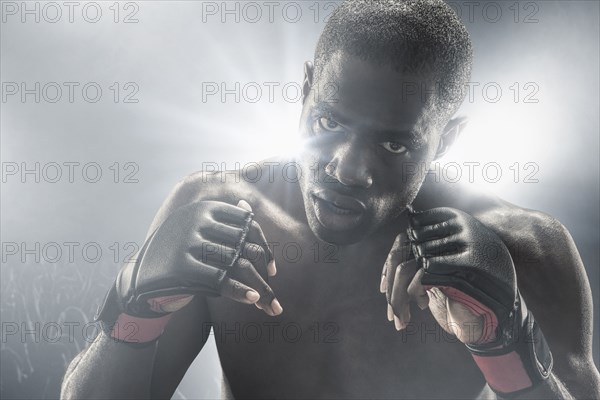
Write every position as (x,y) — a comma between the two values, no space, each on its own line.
(221,185)
(209,185)
(269,186)
(532,234)
(264,176)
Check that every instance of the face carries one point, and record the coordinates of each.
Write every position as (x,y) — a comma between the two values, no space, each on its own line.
(367,144)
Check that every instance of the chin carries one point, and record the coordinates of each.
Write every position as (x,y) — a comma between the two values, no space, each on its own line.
(338,219)
(338,238)
(342,237)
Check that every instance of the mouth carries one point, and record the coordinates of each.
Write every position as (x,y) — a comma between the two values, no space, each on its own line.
(337,212)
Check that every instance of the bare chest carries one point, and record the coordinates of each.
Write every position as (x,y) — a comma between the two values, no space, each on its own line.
(333,338)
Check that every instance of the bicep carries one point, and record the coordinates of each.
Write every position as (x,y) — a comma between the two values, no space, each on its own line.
(180,343)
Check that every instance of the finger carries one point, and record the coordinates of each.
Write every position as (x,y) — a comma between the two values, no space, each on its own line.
(439,247)
(214,254)
(398,323)
(456,317)
(382,284)
(221,233)
(169,304)
(391,269)
(389,281)
(400,299)
(256,235)
(438,268)
(232,215)
(256,255)
(417,292)
(438,308)
(467,326)
(388,261)
(400,252)
(245,272)
(435,231)
(244,204)
(384,273)
(430,217)
(239,292)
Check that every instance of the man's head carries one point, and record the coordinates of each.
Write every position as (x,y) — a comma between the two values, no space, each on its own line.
(412,36)
(376,111)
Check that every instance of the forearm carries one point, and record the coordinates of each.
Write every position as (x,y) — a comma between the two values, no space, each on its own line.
(110,369)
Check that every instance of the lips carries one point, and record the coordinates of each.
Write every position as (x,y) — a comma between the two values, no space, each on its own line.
(337,212)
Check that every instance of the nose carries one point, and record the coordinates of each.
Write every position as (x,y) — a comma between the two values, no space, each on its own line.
(350,167)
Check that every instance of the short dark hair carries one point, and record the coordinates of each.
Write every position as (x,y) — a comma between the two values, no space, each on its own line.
(409,35)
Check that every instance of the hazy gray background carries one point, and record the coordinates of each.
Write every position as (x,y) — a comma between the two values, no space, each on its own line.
(171,131)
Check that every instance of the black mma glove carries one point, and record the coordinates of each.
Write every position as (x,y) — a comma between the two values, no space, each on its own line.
(471,265)
(188,254)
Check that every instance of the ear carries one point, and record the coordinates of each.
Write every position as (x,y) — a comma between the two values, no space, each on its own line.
(453,129)
(308,80)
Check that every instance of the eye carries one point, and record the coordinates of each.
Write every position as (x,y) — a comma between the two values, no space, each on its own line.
(329,125)
(393,147)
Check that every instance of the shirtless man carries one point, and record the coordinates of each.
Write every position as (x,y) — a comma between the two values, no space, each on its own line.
(483,298)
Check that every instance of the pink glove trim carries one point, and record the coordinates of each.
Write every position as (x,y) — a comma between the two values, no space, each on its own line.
(505,373)
(490,321)
(139,330)
(157,303)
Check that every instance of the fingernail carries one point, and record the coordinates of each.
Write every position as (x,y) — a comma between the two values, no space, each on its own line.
(382,284)
(397,323)
(252,296)
(277,309)
(390,313)
(272,268)
(244,204)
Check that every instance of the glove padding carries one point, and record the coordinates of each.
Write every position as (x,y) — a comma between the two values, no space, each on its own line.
(188,254)
(470,264)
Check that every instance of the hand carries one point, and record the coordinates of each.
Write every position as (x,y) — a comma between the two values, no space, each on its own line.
(468,273)
(206,248)
(401,282)
(468,276)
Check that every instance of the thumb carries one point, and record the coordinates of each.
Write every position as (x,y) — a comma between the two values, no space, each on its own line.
(465,324)
(244,204)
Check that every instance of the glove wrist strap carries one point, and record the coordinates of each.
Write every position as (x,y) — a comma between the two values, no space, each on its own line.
(132,329)
(521,365)
(128,328)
